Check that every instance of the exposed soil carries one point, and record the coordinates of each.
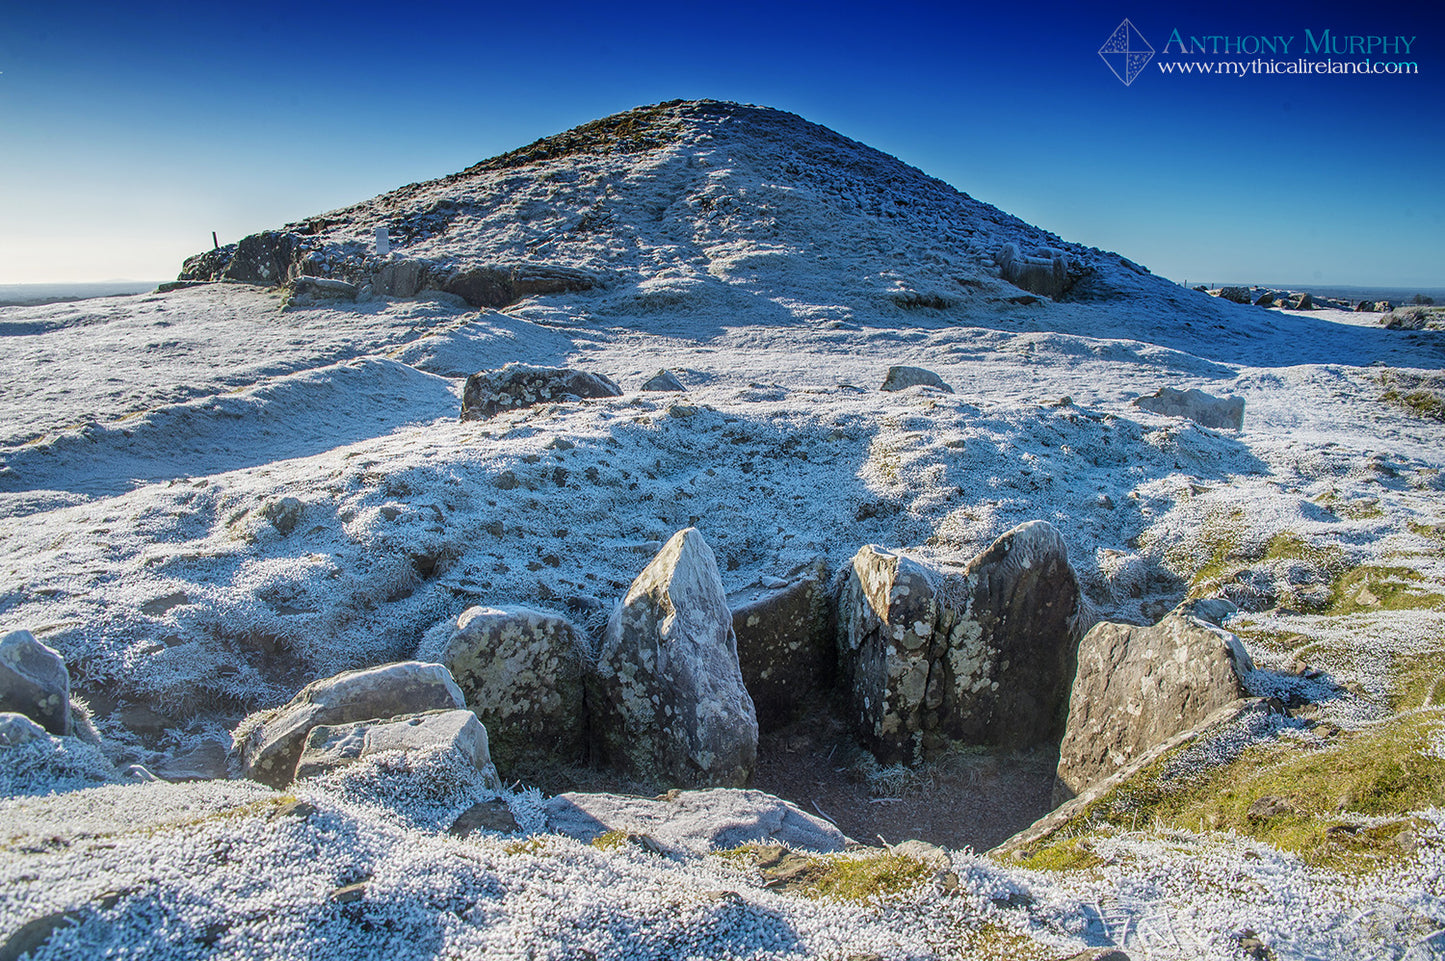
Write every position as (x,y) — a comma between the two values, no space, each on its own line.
(971,798)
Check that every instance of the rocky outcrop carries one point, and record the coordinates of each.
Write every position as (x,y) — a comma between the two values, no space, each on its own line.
(983,655)
(784,649)
(1235,295)
(35,682)
(1136,687)
(1045,273)
(490,392)
(669,703)
(520,671)
(498,287)
(270,742)
(1224,413)
(329,747)
(901,378)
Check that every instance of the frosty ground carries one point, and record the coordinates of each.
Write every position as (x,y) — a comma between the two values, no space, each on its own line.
(144,438)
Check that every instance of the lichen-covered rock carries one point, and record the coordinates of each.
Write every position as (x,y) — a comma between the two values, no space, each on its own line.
(520,670)
(332,746)
(669,700)
(270,742)
(784,649)
(490,392)
(17,729)
(983,655)
(1226,413)
(34,682)
(1138,686)
(901,378)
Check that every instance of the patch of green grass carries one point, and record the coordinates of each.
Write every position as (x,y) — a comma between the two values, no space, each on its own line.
(1419,681)
(1067,854)
(1433,532)
(1380,773)
(1378,588)
(532,845)
(1358,509)
(610,840)
(860,877)
(1421,403)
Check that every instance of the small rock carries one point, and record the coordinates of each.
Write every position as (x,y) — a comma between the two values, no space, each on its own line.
(663,380)
(284,514)
(493,815)
(1251,945)
(17,729)
(329,747)
(901,378)
(1270,806)
(349,893)
(1225,413)
(35,682)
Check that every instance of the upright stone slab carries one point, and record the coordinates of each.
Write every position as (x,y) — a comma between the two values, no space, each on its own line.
(35,682)
(784,649)
(1138,686)
(520,670)
(982,655)
(669,700)
(271,741)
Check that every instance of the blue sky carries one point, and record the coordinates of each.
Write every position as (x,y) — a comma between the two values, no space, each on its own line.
(129,133)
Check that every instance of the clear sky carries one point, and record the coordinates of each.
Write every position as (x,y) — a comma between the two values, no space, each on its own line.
(130,131)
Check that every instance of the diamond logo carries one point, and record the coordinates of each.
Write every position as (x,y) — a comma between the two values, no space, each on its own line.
(1126,52)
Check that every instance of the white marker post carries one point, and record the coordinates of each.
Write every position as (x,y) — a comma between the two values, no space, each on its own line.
(383,242)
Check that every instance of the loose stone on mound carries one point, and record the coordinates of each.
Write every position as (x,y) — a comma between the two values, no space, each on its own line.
(329,747)
(520,670)
(1225,413)
(984,655)
(663,380)
(514,386)
(270,742)
(669,703)
(35,682)
(1138,686)
(901,378)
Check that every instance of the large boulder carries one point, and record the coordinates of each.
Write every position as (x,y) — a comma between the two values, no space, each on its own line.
(490,392)
(1235,295)
(332,746)
(520,670)
(34,682)
(983,655)
(1225,413)
(1302,301)
(784,648)
(270,742)
(901,378)
(1136,687)
(669,701)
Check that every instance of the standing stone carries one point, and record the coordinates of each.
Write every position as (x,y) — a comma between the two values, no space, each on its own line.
(784,649)
(35,682)
(670,700)
(332,746)
(1225,413)
(520,670)
(270,742)
(1138,686)
(983,655)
